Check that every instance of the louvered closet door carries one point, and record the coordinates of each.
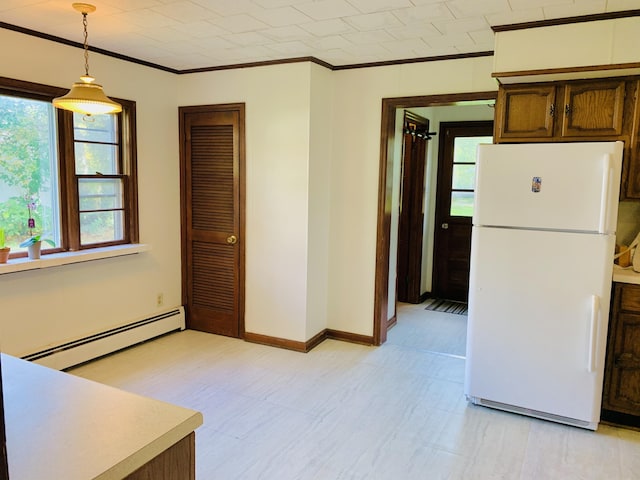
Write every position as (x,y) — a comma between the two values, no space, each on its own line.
(212,220)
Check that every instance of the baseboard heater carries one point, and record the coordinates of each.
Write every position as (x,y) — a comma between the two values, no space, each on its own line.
(99,344)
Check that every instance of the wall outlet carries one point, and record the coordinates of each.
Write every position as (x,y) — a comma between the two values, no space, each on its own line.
(159,299)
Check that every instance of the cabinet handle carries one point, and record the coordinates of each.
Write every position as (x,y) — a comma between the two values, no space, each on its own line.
(567,110)
(552,110)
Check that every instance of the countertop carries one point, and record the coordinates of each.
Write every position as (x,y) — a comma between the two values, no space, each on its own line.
(65,427)
(625,275)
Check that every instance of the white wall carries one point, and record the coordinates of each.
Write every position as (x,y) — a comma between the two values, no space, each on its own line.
(277,102)
(320,145)
(602,42)
(292,216)
(355,165)
(50,306)
(313,143)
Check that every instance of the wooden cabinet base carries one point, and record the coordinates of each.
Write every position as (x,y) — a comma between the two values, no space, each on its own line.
(621,392)
(609,417)
(175,463)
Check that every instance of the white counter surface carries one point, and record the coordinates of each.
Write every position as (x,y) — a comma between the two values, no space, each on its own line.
(625,275)
(64,427)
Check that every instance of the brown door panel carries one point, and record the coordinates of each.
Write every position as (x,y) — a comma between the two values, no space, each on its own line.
(453,232)
(212,202)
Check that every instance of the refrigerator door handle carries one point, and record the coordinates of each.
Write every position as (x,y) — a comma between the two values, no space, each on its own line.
(604,198)
(593,333)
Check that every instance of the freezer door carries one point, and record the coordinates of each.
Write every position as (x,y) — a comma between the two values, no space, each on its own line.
(560,186)
(538,318)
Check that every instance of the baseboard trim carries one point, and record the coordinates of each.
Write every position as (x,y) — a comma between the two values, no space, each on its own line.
(392,322)
(275,342)
(349,337)
(304,347)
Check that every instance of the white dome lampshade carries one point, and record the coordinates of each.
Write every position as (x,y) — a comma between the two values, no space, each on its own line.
(86,97)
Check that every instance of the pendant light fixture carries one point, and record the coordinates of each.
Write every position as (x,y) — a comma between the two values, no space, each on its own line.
(85,96)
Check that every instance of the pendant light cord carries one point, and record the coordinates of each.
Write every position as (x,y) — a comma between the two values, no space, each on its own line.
(86,44)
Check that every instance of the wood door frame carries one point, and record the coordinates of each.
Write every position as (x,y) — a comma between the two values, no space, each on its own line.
(385,187)
(226,107)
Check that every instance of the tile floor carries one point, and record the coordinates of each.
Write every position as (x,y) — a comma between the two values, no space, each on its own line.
(347,411)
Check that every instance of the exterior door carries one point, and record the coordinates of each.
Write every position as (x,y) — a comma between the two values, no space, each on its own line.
(454,205)
(411,218)
(212,169)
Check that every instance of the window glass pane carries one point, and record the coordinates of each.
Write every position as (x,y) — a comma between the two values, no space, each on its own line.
(464,177)
(100,193)
(464,148)
(99,227)
(95,157)
(461,204)
(95,128)
(29,197)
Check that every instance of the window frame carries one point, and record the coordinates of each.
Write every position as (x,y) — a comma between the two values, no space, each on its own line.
(67,177)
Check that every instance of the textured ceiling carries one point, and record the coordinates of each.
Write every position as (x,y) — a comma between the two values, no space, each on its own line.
(191,34)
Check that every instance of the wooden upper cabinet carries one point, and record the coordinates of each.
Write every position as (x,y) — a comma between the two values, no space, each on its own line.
(525,112)
(605,109)
(558,111)
(593,109)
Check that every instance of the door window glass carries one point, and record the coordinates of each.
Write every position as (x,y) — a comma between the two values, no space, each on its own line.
(464,174)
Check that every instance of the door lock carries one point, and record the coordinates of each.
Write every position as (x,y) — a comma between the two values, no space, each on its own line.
(445,226)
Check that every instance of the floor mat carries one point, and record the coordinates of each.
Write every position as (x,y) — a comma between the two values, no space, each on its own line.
(447,306)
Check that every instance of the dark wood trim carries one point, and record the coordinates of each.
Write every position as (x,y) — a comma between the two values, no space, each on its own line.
(387,135)
(443,100)
(553,71)
(38,91)
(316,340)
(71,43)
(566,20)
(349,337)
(283,61)
(317,61)
(305,347)
(458,56)
(392,322)
(278,342)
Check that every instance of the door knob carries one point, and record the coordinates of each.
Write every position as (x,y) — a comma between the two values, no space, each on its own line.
(232,239)
(445,226)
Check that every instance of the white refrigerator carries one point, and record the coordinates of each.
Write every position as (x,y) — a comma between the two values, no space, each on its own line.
(542,249)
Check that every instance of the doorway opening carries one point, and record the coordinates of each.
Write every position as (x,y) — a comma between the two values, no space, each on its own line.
(388,194)
(454,206)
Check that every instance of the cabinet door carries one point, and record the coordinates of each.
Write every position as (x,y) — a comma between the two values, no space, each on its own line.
(525,112)
(593,108)
(622,392)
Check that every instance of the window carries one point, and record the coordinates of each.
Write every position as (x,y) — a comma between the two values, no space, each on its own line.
(68,177)
(464,174)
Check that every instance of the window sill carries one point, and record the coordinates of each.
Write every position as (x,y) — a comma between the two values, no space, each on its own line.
(66,258)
